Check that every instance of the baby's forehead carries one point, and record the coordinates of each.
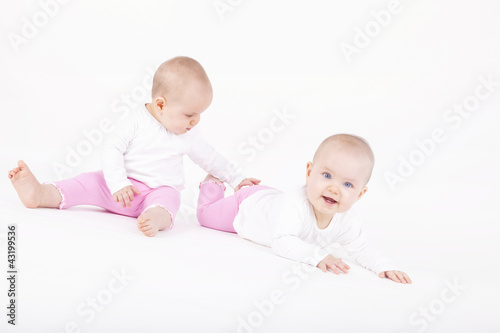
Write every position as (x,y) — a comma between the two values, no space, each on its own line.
(338,148)
(332,158)
(335,156)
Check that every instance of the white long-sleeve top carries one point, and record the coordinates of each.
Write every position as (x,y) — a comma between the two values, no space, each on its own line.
(140,147)
(286,223)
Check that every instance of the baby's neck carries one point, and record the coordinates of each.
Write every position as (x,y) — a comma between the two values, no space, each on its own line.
(323,223)
(149,108)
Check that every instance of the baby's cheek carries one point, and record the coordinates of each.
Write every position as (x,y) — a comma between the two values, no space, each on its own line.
(345,203)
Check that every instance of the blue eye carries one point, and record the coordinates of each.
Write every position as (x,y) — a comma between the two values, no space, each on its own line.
(347,184)
(327,175)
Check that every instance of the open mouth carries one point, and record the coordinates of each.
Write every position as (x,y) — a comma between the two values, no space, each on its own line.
(329,201)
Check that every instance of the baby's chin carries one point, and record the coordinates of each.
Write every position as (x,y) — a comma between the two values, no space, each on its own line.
(336,208)
(180,132)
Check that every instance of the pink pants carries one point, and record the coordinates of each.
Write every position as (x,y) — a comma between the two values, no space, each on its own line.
(90,189)
(216,212)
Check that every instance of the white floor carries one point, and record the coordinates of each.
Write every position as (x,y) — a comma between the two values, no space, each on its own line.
(85,270)
(284,79)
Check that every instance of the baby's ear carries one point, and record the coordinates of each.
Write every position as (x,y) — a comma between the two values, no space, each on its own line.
(363,191)
(161,103)
(308,169)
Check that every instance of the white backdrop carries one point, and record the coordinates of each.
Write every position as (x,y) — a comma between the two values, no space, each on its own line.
(420,80)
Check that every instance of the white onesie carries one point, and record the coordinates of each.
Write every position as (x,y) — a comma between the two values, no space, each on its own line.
(142,149)
(286,223)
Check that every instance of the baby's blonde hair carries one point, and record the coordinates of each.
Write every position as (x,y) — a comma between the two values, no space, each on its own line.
(350,142)
(175,74)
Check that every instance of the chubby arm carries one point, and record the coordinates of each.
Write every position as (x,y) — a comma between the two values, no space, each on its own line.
(113,166)
(203,154)
(292,247)
(291,222)
(365,252)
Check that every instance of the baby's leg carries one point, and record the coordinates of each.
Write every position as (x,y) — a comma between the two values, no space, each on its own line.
(214,211)
(217,212)
(160,207)
(30,191)
(89,188)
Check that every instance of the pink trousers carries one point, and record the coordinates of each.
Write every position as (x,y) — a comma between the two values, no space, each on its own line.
(216,212)
(90,189)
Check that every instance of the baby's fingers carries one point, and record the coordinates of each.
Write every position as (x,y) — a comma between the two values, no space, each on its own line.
(333,268)
(255,181)
(117,197)
(343,267)
(121,200)
(394,276)
(127,198)
(404,277)
(322,266)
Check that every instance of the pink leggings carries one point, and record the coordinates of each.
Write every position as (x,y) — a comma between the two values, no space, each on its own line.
(215,211)
(90,189)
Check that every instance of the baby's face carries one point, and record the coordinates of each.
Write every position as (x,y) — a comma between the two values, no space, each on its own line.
(336,181)
(183,113)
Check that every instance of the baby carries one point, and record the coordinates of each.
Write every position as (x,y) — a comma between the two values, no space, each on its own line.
(142,170)
(302,224)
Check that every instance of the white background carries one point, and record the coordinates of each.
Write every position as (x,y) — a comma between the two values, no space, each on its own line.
(439,221)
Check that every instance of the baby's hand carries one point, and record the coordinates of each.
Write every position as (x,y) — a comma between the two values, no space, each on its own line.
(336,265)
(247,181)
(125,195)
(396,276)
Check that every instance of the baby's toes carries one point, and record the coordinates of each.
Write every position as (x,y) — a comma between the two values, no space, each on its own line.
(150,233)
(143,223)
(147,231)
(145,227)
(143,218)
(13,174)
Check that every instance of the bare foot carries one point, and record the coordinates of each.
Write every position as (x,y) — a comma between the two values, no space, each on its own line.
(153,220)
(30,191)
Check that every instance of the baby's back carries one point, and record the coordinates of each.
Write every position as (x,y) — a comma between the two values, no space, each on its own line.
(256,215)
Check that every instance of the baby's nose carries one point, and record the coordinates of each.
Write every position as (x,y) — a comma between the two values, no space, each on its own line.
(333,188)
(195,120)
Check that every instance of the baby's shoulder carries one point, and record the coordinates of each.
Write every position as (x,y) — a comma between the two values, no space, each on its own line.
(133,118)
(295,199)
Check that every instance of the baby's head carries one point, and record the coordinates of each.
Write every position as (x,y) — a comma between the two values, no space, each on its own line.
(338,174)
(181,92)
